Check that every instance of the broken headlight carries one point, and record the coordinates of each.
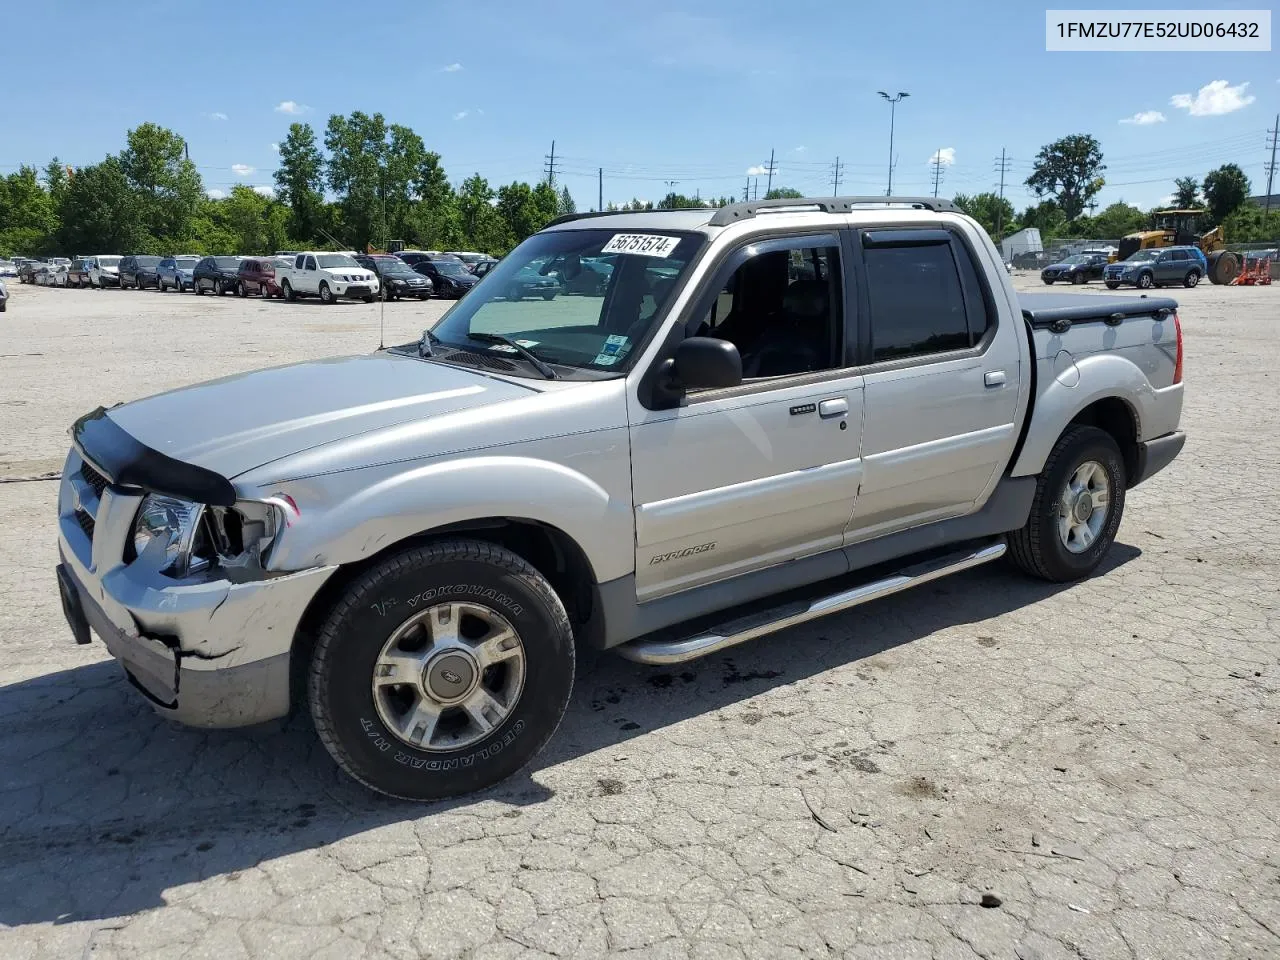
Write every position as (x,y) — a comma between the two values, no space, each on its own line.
(181,538)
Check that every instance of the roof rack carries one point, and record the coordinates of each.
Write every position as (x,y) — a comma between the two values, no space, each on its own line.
(570,217)
(742,211)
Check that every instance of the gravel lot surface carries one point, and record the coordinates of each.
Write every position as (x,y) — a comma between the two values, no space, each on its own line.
(1099,761)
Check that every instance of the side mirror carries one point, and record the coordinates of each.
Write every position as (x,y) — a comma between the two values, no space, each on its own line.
(706,363)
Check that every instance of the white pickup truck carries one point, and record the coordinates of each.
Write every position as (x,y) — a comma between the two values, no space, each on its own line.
(329,276)
(801,405)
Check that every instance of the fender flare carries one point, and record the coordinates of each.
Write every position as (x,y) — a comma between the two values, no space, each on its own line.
(440,494)
(1099,376)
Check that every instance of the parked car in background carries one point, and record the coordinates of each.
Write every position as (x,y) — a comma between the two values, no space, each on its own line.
(52,274)
(415,257)
(529,281)
(1156,267)
(257,276)
(484,266)
(1080,268)
(8,268)
(139,272)
(329,276)
(27,270)
(398,279)
(78,273)
(177,273)
(448,275)
(217,274)
(104,270)
(469,257)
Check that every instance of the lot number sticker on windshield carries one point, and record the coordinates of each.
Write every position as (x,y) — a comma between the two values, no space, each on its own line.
(643,244)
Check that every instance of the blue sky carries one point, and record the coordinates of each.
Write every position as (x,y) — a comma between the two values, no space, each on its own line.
(696,93)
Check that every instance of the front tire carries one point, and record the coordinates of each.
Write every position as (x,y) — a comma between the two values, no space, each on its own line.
(1146,281)
(326,295)
(1078,506)
(1113,285)
(1048,283)
(1191,279)
(1077,278)
(442,670)
(289,295)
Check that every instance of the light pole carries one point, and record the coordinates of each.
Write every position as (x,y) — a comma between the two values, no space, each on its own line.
(893,107)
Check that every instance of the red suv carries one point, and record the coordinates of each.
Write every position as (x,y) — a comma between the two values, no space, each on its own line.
(258,275)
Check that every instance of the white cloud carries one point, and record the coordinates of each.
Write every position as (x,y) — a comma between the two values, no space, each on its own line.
(1145,117)
(241,169)
(460,115)
(291,106)
(451,68)
(1213,99)
(217,115)
(947,156)
(799,149)
(759,170)
(265,190)
(215,194)
(275,147)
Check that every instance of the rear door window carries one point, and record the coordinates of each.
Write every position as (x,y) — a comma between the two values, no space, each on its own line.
(925,294)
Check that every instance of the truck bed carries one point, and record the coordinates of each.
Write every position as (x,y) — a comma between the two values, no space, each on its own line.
(1047,309)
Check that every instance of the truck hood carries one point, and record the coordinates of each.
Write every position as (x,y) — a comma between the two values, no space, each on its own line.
(241,422)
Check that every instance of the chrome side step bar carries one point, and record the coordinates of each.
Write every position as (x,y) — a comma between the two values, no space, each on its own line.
(666,652)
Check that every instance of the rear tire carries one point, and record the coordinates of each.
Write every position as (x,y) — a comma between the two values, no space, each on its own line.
(376,733)
(1046,549)
(1223,267)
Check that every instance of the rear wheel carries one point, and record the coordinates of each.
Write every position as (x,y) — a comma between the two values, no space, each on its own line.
(1223,266)
(1077,509)
(442,670)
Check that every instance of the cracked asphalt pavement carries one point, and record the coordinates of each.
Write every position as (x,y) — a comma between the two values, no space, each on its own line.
(987,767)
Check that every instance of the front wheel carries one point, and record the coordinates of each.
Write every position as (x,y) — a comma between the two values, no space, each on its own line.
(1191,279)
(369,299)
(243,291)
(287,289)
(1146,281)
(1048,283)
(442,670)
(1077,508)
(326,295)
(1077,278)
(1113,284)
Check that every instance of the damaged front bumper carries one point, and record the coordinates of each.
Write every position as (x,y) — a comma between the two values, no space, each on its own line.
(204,650)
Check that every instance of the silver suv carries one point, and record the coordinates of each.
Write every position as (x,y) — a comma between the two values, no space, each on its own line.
(759,399)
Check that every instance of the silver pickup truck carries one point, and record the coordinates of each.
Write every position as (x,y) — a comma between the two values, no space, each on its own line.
(756,405)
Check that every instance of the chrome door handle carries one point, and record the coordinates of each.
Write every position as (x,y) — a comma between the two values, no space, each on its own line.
(994,378)
(835,407)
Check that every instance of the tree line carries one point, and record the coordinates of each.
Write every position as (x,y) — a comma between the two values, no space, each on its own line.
(1068,173)
(367,181)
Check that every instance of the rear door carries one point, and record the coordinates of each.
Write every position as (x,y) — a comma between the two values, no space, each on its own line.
(941,385)
(739,479)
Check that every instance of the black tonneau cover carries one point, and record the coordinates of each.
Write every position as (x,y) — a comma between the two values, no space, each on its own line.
(1064,309)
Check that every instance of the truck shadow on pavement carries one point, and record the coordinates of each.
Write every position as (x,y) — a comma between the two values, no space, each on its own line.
(105,808)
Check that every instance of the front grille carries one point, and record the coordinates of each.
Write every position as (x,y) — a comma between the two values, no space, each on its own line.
(86,523)
(93,478)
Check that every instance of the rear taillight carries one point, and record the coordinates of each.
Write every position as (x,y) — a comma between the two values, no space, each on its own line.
(1177,366)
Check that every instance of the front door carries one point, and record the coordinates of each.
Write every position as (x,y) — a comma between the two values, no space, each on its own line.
(941,388)
(744,478)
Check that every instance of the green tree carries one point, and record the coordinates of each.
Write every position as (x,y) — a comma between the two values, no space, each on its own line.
(678,201)
(256,223)
(1070,171)
(27,217)
(300,183)
(166,184)
(1247,224)
(100,211)
(566,204)
(482,227)
(517,209)
(1225,190)
(1117,220)
(1186,193)
(783,193)
(1046,217)
(988,209)
(357,173)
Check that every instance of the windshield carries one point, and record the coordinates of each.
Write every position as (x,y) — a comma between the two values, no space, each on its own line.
(104,261)
(451,268)
(328,261)
(394,267)
(1078,258)
(593,324)
(186,263)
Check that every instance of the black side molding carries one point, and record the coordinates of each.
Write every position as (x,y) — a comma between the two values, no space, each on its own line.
(125,461)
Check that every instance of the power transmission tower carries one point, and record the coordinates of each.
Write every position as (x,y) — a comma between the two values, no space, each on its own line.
(835,178)
(769,182)
(1274,134)
(550,166)
(746,191)
(755,189)
(937,170)
(600,183)
(1002,167)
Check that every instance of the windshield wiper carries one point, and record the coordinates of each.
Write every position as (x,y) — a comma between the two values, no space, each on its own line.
(525,352)
(425,342)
